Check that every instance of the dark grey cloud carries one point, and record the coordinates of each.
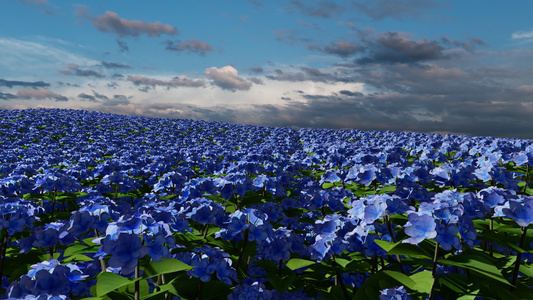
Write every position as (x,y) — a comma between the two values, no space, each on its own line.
(95,97)
(189,46)
(392,47)
(256,80)
(86,97)
(112,23)
(38,94)
(61,83)
(75,70)
(117,100)
(100,96)
(400,112)
(122,46)
(312,74)
(12,83)
(395,9)
(173,83)
(257,69)
(340,48)
(6,96)
(321,9)
(227,78)
(117,76)
(113,85)
(115,65)
(468,46)
(477,41)
(350,93)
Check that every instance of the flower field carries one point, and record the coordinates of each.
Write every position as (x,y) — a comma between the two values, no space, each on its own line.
(103,206)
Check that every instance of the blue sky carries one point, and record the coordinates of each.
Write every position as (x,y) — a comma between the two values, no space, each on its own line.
(460,67)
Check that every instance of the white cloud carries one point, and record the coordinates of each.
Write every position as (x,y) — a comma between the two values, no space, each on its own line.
(522,35)
(227,78)
(20,58)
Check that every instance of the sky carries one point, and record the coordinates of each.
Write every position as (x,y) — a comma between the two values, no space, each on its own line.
(428,66)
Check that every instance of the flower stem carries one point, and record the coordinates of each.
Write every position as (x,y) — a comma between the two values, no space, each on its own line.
(53,203)
(514,280)
(241,255)
(205,231)
(525,180)
(102,262)
(137,283)
(491,245)
(435,260)
(393,239)
(338,278)
(200,288)
(435,255)
(3,248)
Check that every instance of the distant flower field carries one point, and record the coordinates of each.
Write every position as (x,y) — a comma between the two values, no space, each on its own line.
(103,206)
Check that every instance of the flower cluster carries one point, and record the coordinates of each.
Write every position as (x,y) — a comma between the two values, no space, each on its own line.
(196,208)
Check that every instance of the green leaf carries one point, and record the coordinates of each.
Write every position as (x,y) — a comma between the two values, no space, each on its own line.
(457,283)
(387,246)
(74,249)
(143,288)
(108,282)
(383,280)
(400,248)
(89,241)
(267,265)
(214,290)
(526,270)
(500,239)
(77,258)
(423,281)
(166,265)
(281,283)
(477,263)
(297,263)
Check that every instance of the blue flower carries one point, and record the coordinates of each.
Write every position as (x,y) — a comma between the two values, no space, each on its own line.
(522,214)
(46,238)
(375,208)
(467,230)
(255,290)
(225,272)
(419,228)
(156,248)
(278,250)
(446,237)
(125,251)
(395,293)
(371,248)
(202,268)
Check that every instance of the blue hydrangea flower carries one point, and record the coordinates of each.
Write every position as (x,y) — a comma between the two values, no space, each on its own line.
(247,290)
(395,293)
(467,230)
(202,268)
(419,228)
(521,213)
(125,251)
(446,237)
(278,250)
